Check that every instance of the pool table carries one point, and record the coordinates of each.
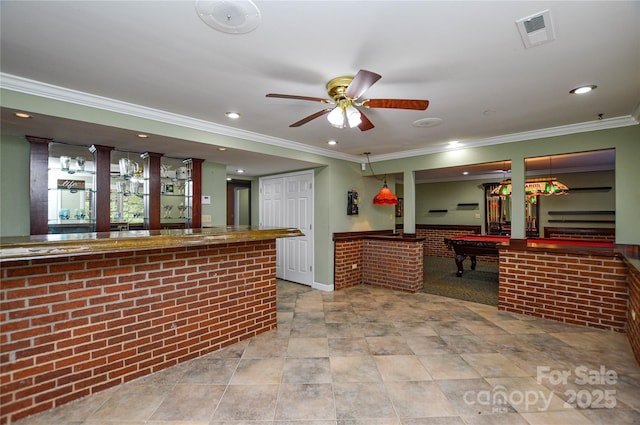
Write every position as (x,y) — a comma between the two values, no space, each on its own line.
(473,245)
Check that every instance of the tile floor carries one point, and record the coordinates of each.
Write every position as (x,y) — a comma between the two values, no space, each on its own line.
(369,356)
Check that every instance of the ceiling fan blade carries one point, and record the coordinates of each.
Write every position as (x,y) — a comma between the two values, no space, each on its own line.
(397,103)
(361,82)
(292,96)
(365,124)
(311,117)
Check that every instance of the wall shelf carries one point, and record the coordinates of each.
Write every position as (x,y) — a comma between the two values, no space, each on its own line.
(468,205)
(582,221)
(590,189)
(582,213)
(438,211)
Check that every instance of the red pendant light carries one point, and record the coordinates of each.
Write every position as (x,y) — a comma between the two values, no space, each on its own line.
(385,196)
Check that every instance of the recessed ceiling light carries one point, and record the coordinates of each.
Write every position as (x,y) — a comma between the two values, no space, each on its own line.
(222,149)
(583,89)
(332,142)
(22,115)
(229,179)
(143,136)
(232,115)
(240,171)
(465,173)
(454,143)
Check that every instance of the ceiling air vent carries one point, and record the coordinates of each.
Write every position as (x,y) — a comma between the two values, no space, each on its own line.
(536,29)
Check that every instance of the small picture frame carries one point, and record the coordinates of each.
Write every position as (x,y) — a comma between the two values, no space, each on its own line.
(400,207)
(168,188)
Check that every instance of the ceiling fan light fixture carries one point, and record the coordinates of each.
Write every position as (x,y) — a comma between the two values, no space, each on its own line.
(336,117)
(353,116)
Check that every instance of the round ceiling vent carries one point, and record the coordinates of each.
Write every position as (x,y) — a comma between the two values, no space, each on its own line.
(427,122)
(230,16)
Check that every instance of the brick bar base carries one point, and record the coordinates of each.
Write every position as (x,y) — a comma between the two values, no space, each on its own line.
(588,290)
(347,253)
(394,264)
(77,325)
(378,258)
(633,318)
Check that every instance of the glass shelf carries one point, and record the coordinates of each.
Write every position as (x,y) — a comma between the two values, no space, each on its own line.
(175,192)
(71,189)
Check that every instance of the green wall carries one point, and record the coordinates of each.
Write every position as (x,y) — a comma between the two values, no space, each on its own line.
(625,140)
(214,184)
(447,196)
(333,177)
(14,186)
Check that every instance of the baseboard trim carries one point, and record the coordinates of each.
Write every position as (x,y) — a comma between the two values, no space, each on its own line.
(322,286)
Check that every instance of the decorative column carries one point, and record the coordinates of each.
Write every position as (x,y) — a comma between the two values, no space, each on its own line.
(103,187)
(152,182)
(38,185)
(409,221)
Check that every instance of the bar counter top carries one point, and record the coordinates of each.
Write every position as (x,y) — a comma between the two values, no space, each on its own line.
(14,248)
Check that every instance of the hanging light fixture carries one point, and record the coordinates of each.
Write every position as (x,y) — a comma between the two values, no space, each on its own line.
(385,196)
(553,186)
(532,187)
(545,186)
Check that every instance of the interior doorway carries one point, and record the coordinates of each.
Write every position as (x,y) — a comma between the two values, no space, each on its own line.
(287,201)
(238,203)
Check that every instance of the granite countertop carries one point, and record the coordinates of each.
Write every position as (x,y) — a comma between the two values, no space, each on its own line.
(60,245)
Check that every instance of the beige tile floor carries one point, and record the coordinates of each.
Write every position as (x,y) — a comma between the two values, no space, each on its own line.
(370,356)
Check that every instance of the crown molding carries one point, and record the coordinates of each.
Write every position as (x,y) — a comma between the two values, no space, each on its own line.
(563,130)
(49,91)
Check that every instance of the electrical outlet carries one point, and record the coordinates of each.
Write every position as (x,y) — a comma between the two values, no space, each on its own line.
(354,266)
(477,215)
(206,218)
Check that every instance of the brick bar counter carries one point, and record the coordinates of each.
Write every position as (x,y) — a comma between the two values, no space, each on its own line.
(378,258)
(84,312)
(578,284)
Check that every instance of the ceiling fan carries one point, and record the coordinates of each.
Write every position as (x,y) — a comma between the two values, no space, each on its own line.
(344,93)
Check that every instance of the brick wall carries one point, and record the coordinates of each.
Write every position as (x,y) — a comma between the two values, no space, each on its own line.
(346,254)
(380,259)
(434,237)
(633,324)
(393,264)
(75,326)
(588,290)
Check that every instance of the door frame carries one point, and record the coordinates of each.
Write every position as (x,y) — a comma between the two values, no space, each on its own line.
(311,216)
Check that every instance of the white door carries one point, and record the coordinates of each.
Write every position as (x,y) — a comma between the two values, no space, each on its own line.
(287,201)
(272,212)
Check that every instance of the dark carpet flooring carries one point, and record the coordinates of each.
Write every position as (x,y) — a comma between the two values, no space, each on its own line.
(479,285)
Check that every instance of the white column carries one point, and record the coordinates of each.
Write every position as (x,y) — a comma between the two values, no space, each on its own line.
(518,226)
(409,202)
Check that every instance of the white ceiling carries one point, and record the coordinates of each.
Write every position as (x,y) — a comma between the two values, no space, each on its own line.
(466,58)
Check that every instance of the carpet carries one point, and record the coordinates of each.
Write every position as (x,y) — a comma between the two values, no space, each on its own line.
(479,285)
